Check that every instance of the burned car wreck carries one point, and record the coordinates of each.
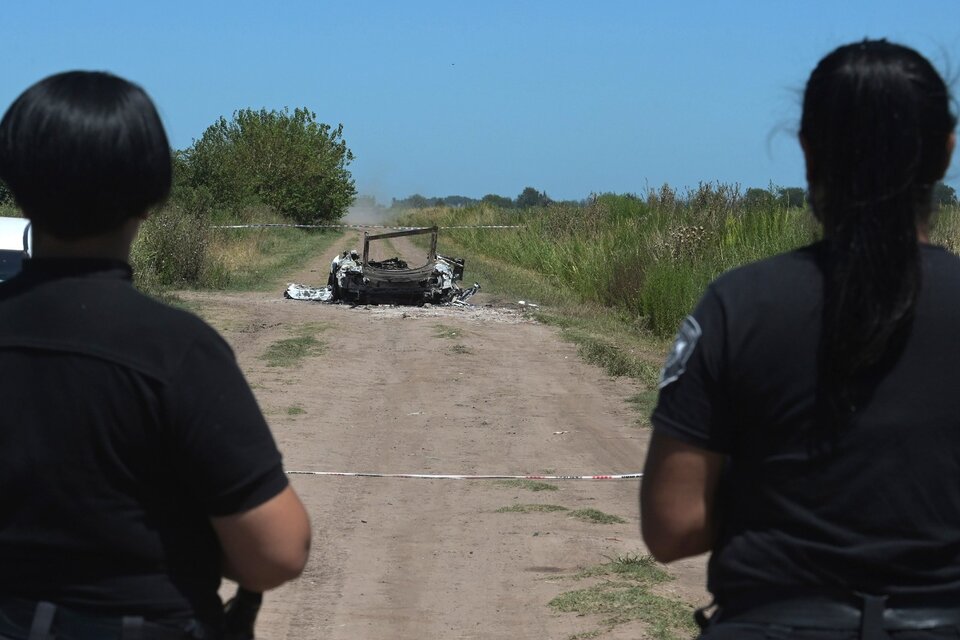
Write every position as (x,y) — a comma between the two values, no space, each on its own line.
(356,279)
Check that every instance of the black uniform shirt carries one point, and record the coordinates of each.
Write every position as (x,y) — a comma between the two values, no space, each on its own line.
(881,512)
(124,425)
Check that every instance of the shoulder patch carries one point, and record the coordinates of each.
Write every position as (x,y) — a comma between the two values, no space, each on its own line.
(680,352)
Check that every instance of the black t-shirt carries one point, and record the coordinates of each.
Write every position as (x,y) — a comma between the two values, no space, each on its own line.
(881,512)
(124,425)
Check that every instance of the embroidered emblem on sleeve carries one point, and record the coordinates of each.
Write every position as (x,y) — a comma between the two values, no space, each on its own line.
(683,346)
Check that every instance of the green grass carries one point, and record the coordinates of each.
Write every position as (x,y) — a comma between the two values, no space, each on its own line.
(461,349)
(649,257)
(644,403)
(532,508)
(529,485)
(608,337)
(443,331)
(289,352)
(295,410)
(634,566)
(621,602)
(624,594)
(595,516)
(263,259)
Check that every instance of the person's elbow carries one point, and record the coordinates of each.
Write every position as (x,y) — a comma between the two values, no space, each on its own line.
(275,566)
(666,546)
(677,498)
(267,545)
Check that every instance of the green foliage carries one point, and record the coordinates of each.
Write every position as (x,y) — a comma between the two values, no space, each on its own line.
(5,196)
(416,201)
(286,160)
(944,194)
(529,485)
(596,516)
(172,251)
(497,201)
(290,351)
(791,197)
(625,593)
(530,197)
(649,258)
(531,508)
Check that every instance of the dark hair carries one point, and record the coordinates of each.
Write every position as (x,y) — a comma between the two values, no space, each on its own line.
(876,120)
(82,152)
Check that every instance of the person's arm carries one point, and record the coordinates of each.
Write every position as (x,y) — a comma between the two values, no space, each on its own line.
(677,498)
(267,545)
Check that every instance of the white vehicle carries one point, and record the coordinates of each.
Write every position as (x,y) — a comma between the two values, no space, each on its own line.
(15,244)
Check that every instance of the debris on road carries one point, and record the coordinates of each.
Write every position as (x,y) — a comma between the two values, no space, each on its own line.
(359,280)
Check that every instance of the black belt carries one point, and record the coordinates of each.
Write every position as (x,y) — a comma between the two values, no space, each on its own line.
(45,620)
(865,612)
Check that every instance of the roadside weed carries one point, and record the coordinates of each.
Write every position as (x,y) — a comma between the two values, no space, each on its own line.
(289,352)
(529,485)
(624,594)
(599,517)
(531,508)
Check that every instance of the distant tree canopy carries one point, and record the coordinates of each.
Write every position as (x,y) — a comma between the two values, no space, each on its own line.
(286,160)
(530,197)
(944,194)
(497,201)
(5,195)
(417,201)
(774,195)
(791,196)
(759,197)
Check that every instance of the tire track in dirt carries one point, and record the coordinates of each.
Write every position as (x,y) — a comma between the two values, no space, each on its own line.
(433,558)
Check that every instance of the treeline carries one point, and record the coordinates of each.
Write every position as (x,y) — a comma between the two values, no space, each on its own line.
(529,197)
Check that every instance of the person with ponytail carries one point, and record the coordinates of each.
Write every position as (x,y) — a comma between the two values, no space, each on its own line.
(807,432)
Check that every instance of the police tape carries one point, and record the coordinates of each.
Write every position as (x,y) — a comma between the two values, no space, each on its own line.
(272,225)
(444,476)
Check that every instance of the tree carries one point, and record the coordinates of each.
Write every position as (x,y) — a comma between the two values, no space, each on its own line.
(944,194)
(416,201)
(5,195)
(288,161)
(530,197)
(756,197)
(791,196)
(502,202)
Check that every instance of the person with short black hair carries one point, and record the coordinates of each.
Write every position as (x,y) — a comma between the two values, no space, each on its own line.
(807,431)
(136,468)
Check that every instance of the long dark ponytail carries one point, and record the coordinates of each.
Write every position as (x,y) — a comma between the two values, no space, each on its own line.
(876,120)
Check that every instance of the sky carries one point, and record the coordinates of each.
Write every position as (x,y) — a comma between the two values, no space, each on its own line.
(457,97)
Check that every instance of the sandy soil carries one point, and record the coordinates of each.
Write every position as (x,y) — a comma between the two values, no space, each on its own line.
(411,558)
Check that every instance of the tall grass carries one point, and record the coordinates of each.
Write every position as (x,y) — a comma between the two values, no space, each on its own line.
(650,257)
(180,247)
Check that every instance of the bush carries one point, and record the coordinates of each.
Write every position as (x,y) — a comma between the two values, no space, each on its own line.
(286,160)
(172,251)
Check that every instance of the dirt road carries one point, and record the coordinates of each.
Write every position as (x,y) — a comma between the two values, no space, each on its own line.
(439,390)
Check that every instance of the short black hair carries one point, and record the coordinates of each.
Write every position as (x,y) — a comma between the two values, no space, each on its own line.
(82,152)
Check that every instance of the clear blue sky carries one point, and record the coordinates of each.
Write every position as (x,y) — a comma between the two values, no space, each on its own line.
(466,97)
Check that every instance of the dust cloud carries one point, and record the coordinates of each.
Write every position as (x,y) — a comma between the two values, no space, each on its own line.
(366,210)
